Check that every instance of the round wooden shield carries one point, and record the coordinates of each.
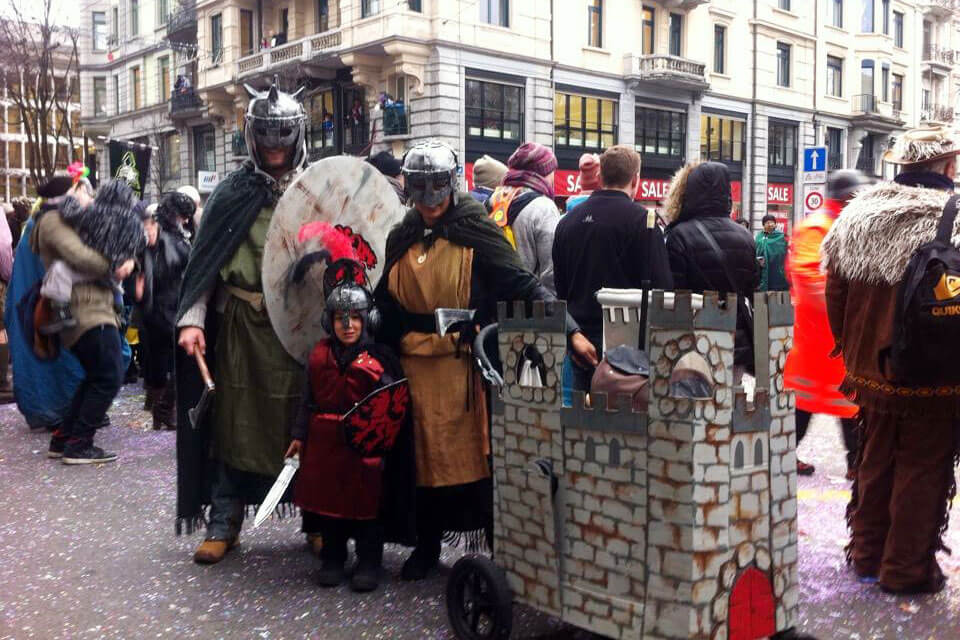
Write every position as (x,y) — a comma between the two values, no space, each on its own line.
(343,191)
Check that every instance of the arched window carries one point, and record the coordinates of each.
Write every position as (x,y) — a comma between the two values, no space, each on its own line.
(590,451)
(615,453)
(758,453)
(738,455)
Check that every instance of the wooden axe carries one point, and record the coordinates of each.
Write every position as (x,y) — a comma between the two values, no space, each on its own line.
(198,412)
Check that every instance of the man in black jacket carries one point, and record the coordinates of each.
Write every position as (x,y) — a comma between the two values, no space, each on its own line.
(603,243)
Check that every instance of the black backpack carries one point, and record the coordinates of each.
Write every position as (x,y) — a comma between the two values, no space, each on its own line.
(925,348)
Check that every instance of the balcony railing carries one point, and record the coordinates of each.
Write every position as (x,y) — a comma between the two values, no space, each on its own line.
(184,100)
(395,121)
(302,49)
(667,70)
(182,22)
(238,144)
(865,103)
(933,53)
(937,113)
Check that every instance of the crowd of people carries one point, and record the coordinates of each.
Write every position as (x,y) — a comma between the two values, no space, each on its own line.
(91,263)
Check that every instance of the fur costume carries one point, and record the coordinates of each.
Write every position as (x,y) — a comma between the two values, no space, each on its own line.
(879,230)
(110,225)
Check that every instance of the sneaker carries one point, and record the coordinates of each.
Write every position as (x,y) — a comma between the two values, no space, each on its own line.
(57,445)
(87,455)
(804,469)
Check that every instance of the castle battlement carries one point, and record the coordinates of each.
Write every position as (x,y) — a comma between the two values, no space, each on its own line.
(544,316)
(649,524)
(715,313)
(603,414)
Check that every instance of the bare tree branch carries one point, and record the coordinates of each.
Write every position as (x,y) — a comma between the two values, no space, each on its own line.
(40,64)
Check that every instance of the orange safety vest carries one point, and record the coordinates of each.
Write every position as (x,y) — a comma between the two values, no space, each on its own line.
(810,372)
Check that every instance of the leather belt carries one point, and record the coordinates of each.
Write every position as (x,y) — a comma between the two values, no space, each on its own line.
(253,298)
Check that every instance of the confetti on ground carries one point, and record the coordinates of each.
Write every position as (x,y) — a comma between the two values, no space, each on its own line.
(90,552)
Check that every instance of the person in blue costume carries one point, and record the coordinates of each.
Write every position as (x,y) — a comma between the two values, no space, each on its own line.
(43,389)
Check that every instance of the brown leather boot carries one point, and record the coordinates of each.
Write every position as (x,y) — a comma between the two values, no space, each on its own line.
(213,551)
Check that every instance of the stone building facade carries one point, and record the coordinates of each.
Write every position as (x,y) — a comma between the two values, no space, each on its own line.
(677,522)
(746,84)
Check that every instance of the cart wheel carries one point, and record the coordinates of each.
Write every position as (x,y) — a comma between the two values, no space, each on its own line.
(479,601)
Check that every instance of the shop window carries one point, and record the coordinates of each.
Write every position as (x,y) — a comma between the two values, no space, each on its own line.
(321,128)
(169,169)
(660,132)
(722,139)
(205,148)
(495,12)
(782,145)
(356,131)
(584,121)
(834,148)
(494,110)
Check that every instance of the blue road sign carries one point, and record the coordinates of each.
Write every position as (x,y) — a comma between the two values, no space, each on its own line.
(814,159)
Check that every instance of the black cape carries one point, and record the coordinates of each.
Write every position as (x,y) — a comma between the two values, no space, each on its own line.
(228,216)
(463,512)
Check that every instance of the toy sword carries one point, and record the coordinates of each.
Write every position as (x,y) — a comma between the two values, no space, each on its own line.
(198,412)
(290,466)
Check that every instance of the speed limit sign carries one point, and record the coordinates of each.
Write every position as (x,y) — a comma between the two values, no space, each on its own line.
(814,200)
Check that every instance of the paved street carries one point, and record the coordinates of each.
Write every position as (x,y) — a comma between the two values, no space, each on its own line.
(90,553)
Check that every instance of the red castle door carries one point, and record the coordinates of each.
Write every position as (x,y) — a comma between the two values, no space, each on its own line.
(752,611)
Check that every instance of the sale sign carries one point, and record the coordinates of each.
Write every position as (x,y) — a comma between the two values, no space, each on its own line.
(779,193)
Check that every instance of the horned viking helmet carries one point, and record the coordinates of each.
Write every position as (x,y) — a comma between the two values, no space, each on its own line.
(275,120)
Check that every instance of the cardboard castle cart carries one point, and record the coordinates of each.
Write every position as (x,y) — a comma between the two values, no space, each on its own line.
(679,522)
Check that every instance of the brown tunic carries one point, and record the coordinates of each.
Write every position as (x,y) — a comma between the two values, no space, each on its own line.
(450,436)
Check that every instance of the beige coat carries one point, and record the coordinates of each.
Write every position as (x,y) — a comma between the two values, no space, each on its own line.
(91,303)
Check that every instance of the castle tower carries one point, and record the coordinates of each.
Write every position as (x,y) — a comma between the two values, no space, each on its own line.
(688,472)
(528,454)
